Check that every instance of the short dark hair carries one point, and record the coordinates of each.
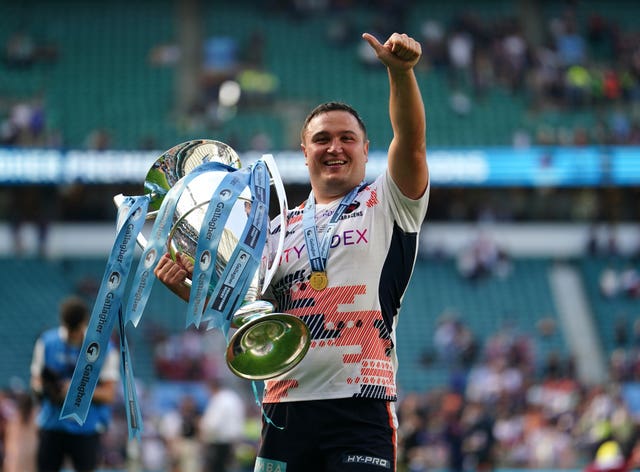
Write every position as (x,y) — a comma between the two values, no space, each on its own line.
(332,106)
(73,312)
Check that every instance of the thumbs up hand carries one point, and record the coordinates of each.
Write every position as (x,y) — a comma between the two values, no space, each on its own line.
(399,52)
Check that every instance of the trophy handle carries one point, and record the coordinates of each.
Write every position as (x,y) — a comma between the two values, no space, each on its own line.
(276,180)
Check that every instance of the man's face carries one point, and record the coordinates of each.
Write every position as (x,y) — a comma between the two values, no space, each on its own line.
(335,151)
(76,335)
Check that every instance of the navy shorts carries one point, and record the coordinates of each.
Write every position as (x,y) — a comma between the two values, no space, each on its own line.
(55,446)
(351,434)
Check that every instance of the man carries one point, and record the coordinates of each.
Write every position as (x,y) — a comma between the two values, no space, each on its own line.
(222,426)
(348,256)
(54,360)
(179,428)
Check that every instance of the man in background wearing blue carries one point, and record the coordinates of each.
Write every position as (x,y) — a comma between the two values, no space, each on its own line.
(54,359)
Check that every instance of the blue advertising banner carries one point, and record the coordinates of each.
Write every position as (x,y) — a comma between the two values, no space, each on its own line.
(483,167)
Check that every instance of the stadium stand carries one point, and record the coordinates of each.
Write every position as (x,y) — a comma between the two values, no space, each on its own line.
(99,74)
(517,301)
(34,289)
(615,308)
(514,301)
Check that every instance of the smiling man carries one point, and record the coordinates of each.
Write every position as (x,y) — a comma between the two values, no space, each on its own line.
(349,252)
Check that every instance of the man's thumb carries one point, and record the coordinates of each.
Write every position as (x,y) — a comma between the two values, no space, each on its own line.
(375,44)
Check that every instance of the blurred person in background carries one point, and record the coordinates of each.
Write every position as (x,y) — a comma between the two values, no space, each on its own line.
(54,359)
(478,439)
(221,426)
(335,410)
(179,429)
(608,458)
(20,435)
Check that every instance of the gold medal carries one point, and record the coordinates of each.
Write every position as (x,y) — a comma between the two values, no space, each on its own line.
(318,280)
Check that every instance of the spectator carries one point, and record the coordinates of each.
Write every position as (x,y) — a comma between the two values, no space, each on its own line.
(20,436)
(221,426)
(20,50)
(54,359)
(478,444)
(608,458)
(609,282)
(179,428)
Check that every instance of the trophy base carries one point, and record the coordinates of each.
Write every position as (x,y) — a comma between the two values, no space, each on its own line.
(267,346)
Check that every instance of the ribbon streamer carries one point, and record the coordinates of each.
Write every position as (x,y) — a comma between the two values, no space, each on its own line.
(231,288)
(131,405)
(109,300)
(229,293)
(222,202)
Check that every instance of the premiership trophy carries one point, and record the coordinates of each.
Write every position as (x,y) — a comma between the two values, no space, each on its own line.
(264,344)
(205,205)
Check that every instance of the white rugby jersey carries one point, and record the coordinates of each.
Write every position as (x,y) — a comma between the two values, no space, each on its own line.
(352,321)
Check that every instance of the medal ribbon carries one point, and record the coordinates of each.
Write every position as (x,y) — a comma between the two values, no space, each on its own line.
(318,254)
(231,289)
(144,276)
(221,203)
(109,300)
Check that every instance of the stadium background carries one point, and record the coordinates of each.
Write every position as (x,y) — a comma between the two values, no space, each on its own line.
(525,296)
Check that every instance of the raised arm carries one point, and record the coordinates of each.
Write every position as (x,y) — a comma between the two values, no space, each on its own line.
(407,151)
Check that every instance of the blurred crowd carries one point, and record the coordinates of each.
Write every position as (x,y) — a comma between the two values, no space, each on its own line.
(563,60)
(511,399)
(591,65)
(503,406)
(200,427)
(572,62)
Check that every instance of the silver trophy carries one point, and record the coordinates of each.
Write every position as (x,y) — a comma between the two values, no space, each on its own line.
(264,344)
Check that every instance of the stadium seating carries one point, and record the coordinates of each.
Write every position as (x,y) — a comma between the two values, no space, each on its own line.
(102,77)
(517,302)
(34,289)
(609,312)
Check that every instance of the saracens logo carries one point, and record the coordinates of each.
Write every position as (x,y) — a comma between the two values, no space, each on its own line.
(205,260)
(93,352)
(114,280)
(351,208)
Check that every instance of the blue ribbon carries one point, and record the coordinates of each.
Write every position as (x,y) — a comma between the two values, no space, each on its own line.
(131,405)
(109,300)
(228,294)
(221,203)
(319,253)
